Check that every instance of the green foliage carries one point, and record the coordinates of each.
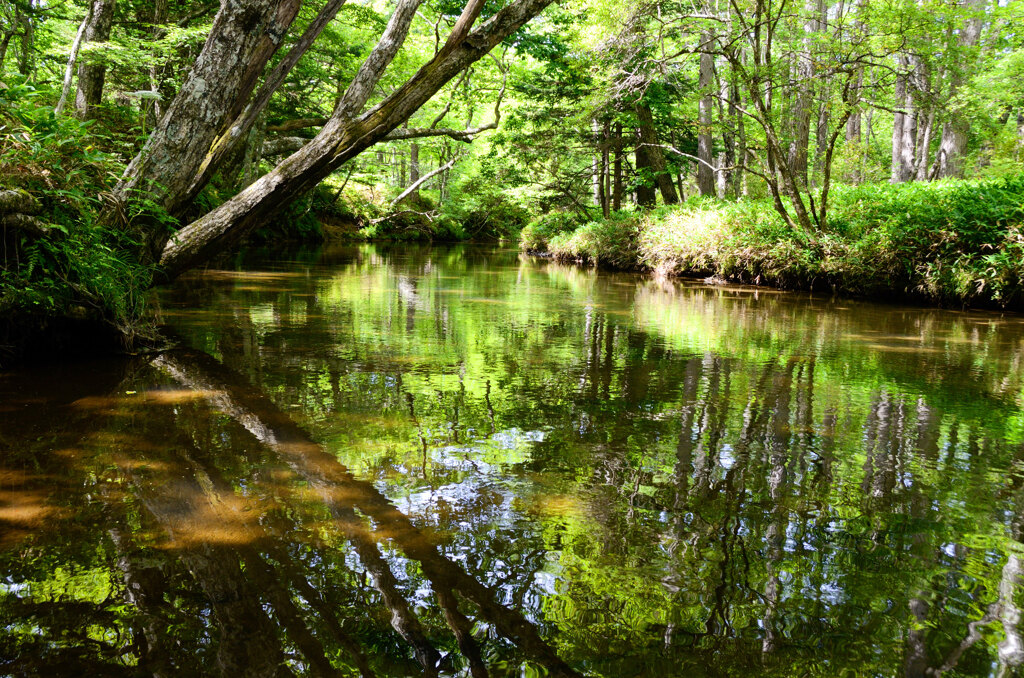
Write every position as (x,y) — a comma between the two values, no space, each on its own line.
(78,267)
(299,221)
(610,242)
(950,242)
(536,234)
(483,213)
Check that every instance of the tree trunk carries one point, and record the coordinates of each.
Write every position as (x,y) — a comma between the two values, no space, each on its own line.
(595,162)
(705,171)
(645,194)
(26,64)
(955,131)
(243,38)
(414,166)
(617,170)
(655,154)
(91,76)
(1019,147)
(4,44)
(69,72)
(152,107)
(253,153)
(344,136)
(801,116)
(603,174)
(899,118)
(908,142)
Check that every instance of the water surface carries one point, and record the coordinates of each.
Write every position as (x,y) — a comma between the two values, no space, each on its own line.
(462,461)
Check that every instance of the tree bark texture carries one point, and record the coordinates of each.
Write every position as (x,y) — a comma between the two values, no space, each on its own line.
(655,154)
(705,171)
(91,76)
(955,131)
(344,136)
(645,194)
(245,34)
(617,170)
(899,118)
(69,72)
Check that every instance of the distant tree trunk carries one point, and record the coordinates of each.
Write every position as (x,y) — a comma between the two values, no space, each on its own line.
(69,72)
(854,134)
(924,146)
(605,198)
(955,131)
(617,171)
(26,62)
(595,162)
(801,114)
(655,154)
(705,171)
(414,166)
(853,125)
(645,194)
(5,43)
(900,96)
(91,76)
(908,142)
(253,153)
(729,138)
(1020,135)
(153,107)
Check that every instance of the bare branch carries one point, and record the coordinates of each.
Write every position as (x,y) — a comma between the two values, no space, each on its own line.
(426,177)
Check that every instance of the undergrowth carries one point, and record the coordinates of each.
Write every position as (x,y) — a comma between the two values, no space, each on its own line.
(75,267)
(949,242)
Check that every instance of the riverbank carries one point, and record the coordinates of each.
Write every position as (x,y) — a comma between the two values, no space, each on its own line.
(947,243)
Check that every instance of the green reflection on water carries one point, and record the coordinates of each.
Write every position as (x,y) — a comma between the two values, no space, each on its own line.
(598,473)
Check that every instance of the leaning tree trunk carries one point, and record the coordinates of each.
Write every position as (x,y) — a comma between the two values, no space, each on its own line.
(92,75)
(244,36)
(345,136)
(414,165)
(69,72)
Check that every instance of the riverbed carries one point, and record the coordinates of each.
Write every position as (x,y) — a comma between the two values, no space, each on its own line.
(461,460)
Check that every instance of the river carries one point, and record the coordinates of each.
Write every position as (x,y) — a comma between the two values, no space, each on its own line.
(418,460)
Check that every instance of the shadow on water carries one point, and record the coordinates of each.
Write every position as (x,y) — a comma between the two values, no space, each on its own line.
(460,461)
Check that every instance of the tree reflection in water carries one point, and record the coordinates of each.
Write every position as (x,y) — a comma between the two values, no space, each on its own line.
(449,462)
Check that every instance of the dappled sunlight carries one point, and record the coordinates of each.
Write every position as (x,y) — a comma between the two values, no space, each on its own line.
(25,505)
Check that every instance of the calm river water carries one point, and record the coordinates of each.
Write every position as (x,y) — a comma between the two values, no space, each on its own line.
(463,461)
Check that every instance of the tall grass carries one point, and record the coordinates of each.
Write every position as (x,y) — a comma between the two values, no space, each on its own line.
(951,242)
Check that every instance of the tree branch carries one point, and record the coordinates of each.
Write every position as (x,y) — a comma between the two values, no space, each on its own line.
(426,177)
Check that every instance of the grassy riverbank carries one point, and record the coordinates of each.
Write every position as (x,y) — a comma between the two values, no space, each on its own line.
(951,243)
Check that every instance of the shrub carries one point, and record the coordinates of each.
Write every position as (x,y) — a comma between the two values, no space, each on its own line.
(949,242)
(535,235)
(608,242)
(77,266)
